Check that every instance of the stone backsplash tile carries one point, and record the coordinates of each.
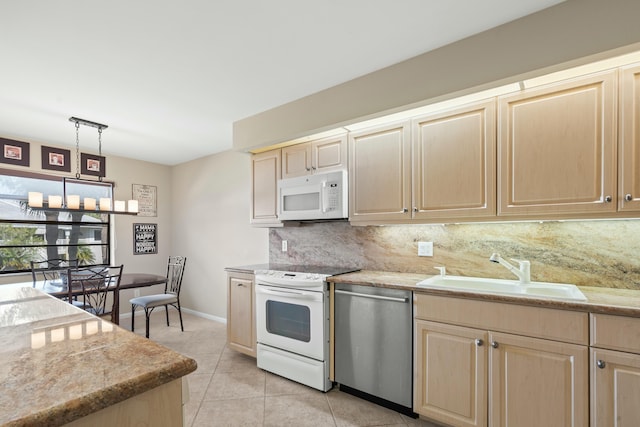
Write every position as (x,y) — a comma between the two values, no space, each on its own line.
(589,253)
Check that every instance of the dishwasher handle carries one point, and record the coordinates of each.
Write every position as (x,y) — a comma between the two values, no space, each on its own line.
(378,297)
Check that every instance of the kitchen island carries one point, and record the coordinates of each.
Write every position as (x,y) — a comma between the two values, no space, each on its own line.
(62,365)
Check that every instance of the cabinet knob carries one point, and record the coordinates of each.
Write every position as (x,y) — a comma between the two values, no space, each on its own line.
(479,342)
(313,167)
(308,169)
(494,344)
(405,210)
(628,197)
(608,199)
(600,364)
(415,209)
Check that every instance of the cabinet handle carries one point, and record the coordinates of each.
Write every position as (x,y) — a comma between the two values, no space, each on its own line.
(405,210)
(415,209)
(313,167)
(628,197)
(494,344)
(600,364)
(479,342)
(608,199)
(308,169)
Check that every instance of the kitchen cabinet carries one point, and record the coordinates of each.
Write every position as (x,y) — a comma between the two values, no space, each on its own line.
(557,149)
(380,173)
(265,173)
(324,155)
(629,140)
(615,370)
(241,319)
(476,368)
(435,167)
(454,163)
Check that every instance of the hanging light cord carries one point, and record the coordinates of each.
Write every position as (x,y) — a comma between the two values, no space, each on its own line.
(77,150)
(100,150)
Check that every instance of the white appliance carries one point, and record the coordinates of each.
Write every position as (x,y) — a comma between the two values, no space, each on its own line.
(313,197)
(292,322)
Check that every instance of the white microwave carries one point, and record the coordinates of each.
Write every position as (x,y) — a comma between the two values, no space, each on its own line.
(320,196)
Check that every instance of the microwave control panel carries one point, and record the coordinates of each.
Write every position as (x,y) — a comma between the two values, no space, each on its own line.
(332,196)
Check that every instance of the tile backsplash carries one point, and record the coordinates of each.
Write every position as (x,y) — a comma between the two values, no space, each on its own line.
(589,253)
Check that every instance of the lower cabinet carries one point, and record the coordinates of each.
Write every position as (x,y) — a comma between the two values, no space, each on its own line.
(484,376)
(615,371)
(241,324)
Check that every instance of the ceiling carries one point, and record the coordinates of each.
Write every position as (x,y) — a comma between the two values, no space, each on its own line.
(169,78)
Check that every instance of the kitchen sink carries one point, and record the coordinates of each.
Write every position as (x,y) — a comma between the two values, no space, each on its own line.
(504,287)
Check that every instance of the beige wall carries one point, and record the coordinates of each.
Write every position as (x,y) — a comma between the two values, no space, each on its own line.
(210,209)
(572,33)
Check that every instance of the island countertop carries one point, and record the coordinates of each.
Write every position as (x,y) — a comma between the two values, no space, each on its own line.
(60,363)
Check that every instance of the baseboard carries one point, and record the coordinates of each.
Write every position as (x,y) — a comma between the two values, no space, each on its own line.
(186,310)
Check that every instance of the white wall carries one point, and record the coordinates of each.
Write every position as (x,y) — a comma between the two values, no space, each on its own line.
(210,217)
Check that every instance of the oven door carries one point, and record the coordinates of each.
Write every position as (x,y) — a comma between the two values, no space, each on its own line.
(291,320)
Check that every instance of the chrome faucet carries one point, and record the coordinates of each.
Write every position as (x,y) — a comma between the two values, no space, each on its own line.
(523,272)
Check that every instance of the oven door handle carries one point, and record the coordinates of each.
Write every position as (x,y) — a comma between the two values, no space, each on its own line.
(378,297)
(288,293)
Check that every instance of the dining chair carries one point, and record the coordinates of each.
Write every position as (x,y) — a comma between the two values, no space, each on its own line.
(170,297)
(51,271)
(92,286)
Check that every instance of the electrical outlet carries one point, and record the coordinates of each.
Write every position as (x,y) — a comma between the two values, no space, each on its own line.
(284,246)
(425,248)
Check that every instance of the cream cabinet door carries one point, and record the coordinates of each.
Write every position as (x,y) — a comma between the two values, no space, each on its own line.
(380,174)
(537,382)
(454,164)
(451,374)
(615,389)
(323,155)
(296,160)
(265,172)
(241,328)
(629,140)
(329,154)
(557,148)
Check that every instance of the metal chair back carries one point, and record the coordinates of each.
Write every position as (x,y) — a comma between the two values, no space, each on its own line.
(175,271)
(92,285)
(51,270)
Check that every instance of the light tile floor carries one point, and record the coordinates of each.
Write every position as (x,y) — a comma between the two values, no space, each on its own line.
(228,389)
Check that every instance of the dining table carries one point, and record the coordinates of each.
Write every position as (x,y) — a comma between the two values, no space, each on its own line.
(59,289)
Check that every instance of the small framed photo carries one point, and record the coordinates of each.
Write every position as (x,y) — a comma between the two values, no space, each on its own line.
(14,152)
(57,159)
(93,165)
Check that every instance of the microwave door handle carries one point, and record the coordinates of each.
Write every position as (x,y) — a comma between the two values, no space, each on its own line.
(324,199)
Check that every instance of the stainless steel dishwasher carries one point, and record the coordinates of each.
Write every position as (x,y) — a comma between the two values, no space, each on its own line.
(374,344)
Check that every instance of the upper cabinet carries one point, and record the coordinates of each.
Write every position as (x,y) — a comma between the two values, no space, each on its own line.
(557,149)
(323,155)
(380,174)
(454,166)
(436,167)
(629,140)
(265,173)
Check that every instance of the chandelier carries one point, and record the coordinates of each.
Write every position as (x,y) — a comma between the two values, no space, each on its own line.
(70,199)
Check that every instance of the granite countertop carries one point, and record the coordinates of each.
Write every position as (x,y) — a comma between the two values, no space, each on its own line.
(599,300)
(60,363)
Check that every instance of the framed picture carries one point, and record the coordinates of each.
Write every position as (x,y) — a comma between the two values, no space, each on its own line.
(146,195)
(145,239)
(14,152)
(57,159)
(93,165)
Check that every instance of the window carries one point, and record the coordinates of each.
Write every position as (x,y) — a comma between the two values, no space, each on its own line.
(35,235)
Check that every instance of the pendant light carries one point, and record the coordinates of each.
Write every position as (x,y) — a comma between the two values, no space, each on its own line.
(70,201)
